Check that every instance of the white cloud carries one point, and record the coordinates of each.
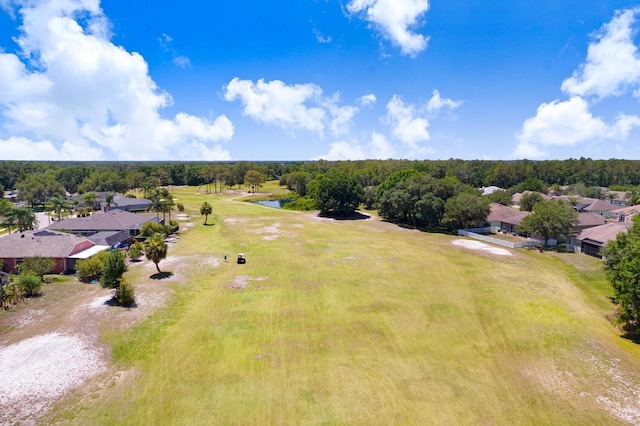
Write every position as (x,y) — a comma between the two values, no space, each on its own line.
(320,37)
(380,148)
(274,102)
(395,19)
(291,107)
(353,149)
(369,99)
(612,68)
(437,103)
(82,97)
(613,63)
(407,125)
(177,59)
(568,123)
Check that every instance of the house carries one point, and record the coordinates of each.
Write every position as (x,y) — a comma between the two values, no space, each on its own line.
(515,198)
(625,214)
(120,202)
(588,220)
(487,190)
(112,239)
(506,219)
(65,249)
(592,241)
(113,220)
(620,197)
(596,206)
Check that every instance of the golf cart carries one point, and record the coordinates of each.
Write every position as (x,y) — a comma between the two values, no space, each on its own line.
(241,258)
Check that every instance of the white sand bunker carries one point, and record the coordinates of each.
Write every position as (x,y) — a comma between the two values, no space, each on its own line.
(477,245)
(38,370)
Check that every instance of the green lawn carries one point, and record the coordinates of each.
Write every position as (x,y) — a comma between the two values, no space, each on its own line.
(363,322)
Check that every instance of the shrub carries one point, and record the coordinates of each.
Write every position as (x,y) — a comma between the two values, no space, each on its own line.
(36,265)
(180,207)
(301,203)
(135,251)
(150,228)
(112,269)
(125,294)
(91,269)
(30,284)
(173,226)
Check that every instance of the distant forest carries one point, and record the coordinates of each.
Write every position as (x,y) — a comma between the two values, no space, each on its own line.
(121,176)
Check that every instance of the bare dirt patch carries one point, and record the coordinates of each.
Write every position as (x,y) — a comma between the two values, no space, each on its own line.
(40,369)
(477,245)
(241,282)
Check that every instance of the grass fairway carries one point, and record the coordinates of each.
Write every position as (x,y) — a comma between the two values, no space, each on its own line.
(363,322)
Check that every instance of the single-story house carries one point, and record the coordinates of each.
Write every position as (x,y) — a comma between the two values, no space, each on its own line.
(515,198)
(112,220)
(65,249)
(592,241)
(487,190)
(600,207)
(112,239)
(625,214)
(588,220)
(506,219)
(620,197)
(120,202)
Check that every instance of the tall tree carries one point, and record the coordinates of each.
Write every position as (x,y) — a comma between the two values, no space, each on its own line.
(254,179)
(465,210)
(336,193)
(206,210)
(622,266)
(529,200)
(57,205)
(155,249)
(22,217)
(550,219)
(113,268)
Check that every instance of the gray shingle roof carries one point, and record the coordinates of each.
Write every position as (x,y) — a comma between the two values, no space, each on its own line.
(114,220)
(603,233)
(504,214)
(43,243)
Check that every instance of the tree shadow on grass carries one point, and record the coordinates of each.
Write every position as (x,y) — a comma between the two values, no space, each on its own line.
(354,216)
(209,224)
(161,275)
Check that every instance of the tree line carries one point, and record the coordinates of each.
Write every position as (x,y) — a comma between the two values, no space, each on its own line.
(79,177)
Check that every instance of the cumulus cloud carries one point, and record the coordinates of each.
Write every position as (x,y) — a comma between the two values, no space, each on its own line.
(568,123)
(377,148)
(395,19)
(408,126)
(437,103)
(613,63)
(73,94)
(369,99)
(612,68)
(291,107)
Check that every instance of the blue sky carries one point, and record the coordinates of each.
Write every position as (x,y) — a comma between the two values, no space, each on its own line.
(308,79)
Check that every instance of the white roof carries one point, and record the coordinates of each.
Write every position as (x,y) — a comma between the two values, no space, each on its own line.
(85,254)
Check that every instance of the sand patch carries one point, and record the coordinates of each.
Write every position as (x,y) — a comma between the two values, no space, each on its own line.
(477,245)
(37,371)
(241,282)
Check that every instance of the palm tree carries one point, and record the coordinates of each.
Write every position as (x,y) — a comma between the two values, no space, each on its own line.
(108,201)
(90,198)
(58,204)
(206,210)
(155,249)
(23,217)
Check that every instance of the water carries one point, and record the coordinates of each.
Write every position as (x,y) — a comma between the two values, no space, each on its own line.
(277,204)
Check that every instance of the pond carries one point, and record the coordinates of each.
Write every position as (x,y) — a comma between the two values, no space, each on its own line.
(273,203)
